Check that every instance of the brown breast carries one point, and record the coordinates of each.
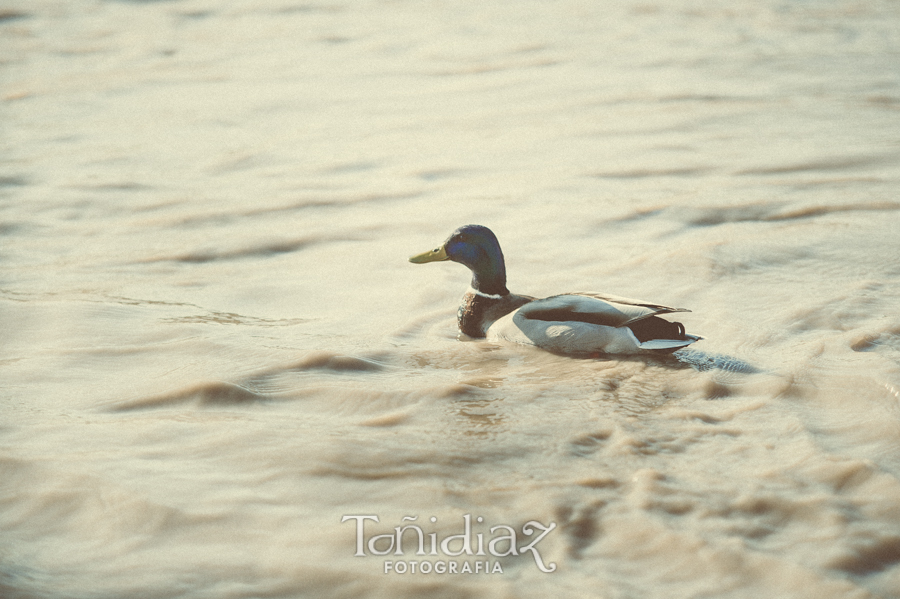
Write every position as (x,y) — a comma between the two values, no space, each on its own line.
(477,312)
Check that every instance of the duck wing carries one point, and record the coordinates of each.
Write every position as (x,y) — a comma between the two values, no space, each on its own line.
(593,308)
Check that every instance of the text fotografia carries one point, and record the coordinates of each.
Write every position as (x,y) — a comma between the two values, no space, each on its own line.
(503,541)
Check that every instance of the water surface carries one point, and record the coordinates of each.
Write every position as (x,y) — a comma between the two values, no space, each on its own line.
(214,348)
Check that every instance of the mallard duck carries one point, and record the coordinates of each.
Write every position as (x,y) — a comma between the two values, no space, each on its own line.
(571,323)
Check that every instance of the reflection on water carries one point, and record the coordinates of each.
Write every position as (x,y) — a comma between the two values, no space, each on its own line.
(214,347)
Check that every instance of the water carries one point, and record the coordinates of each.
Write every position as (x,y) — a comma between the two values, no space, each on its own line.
(214,348)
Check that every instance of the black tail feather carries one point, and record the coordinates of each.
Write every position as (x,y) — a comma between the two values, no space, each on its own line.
(654,327)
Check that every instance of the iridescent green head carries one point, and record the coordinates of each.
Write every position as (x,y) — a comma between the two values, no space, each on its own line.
(477,248)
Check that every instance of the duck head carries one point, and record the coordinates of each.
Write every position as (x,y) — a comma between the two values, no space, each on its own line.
(477,248)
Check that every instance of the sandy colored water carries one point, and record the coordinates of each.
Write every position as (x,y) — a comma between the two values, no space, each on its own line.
(216,359)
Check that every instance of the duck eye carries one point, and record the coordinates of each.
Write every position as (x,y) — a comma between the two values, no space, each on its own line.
(435,250)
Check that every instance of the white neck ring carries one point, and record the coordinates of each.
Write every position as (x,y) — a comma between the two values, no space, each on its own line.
(483,294)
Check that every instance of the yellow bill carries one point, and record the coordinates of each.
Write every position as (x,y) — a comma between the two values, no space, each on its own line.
(435,255)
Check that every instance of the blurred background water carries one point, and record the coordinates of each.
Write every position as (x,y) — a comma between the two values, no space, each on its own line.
(213,347)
